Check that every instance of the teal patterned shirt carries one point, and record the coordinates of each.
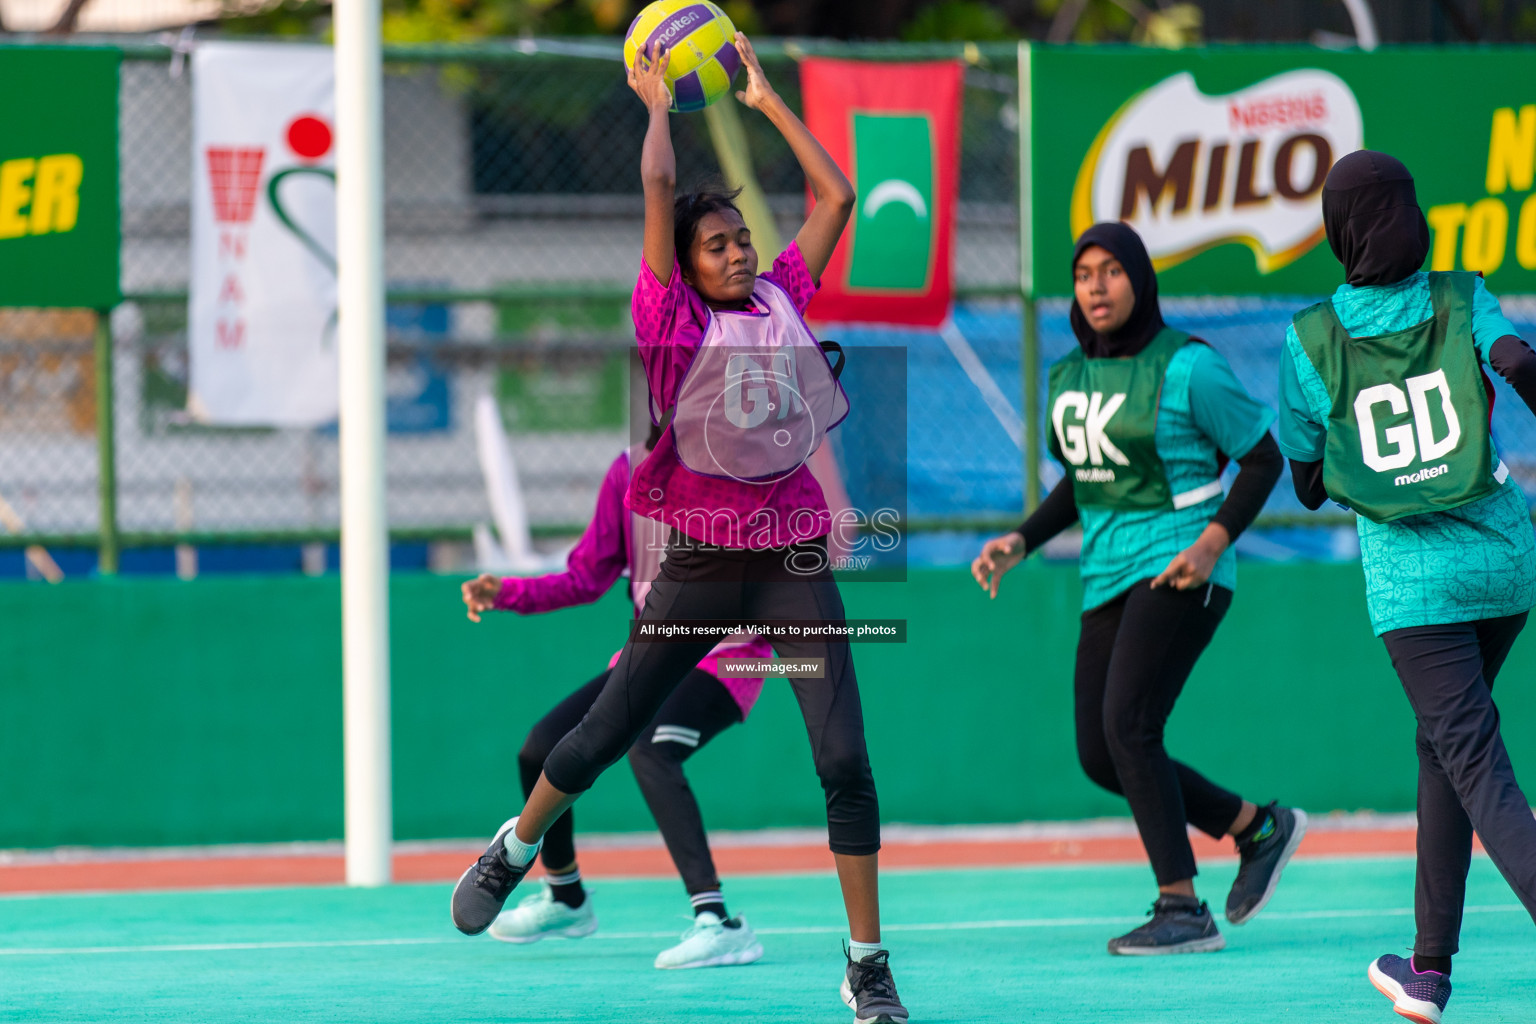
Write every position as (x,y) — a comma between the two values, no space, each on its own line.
(1203,412)
(1477,561)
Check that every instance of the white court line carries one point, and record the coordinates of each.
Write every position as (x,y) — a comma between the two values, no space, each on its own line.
(935,926)
(993,395)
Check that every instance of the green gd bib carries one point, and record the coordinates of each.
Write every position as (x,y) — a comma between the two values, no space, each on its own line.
(1408,428)
(1104,425)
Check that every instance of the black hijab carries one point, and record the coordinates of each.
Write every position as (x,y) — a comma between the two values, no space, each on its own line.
(1124,244)
(1373,220)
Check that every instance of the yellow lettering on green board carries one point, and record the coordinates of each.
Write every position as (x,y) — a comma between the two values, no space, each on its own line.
(15,194)
(1512,149)
(1445,222)
(56,193)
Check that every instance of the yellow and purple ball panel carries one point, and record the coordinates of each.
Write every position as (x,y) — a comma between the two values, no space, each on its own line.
(701,37)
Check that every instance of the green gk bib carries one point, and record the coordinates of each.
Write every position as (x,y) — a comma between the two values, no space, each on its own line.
(1408,427)
(1104,428)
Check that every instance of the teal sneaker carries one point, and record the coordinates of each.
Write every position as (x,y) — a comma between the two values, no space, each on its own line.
(712,942)
(540,916)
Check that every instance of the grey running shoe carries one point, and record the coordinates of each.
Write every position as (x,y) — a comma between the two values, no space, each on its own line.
(481,890)
(870,991)
(1180,924)
(1262,859)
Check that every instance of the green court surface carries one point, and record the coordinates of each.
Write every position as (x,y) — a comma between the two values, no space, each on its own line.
(1005,945)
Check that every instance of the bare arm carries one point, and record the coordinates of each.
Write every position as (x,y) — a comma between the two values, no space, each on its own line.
(658,163)
(829,186)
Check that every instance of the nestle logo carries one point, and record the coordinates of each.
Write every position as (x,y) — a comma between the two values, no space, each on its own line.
(1424,474)
(678,24)
(1190,170)
(1278,112)
(1096,475)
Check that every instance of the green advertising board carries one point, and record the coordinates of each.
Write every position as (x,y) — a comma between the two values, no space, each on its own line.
(58,177)
(1217,157)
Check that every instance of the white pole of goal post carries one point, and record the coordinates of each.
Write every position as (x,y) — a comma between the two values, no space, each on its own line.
(364,538)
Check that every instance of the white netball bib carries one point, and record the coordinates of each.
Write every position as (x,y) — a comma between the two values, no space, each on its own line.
(759,396)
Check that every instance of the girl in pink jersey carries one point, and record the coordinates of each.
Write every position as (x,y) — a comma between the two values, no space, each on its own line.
(744,394)
(704,705)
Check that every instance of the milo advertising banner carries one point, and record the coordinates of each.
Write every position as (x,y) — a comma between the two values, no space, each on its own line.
(58,177)
(1218,157)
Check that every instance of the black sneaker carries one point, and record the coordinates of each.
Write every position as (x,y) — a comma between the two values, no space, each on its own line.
(481,890)
(1263,857)
(870,991)
(1418,995)
(1180,924)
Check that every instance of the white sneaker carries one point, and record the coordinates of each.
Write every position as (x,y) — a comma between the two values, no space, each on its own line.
(709,943)
(540,915)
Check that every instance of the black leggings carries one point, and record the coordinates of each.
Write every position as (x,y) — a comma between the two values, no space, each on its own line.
(698,711)
(1133,656)
(729,584)
(1466,780)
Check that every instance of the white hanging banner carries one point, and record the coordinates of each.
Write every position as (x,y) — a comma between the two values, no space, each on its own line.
(262,317)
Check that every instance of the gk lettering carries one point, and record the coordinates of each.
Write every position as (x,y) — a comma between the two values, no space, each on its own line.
(1086,441)
(1400,439)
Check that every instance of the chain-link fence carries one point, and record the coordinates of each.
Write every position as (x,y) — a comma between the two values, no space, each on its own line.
(513,230)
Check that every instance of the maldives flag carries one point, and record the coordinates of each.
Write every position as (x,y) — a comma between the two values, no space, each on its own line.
(894,129)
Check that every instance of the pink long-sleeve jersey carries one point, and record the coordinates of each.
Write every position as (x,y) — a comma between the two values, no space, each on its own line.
(603,553)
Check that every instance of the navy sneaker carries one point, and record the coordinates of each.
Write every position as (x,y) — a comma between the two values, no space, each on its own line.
(1418,995)
(870,991)
(1180,924)
(481,891)
(1262,858)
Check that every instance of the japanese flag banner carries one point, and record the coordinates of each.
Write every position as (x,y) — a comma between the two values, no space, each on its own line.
(262,316)
(894,129)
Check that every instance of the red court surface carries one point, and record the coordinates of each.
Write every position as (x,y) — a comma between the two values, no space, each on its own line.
(642,856)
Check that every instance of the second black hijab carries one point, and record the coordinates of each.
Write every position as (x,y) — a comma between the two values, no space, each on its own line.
(1123,243)
(1373,220)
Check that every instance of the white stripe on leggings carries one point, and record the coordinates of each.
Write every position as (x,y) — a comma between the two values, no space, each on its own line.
(676,734)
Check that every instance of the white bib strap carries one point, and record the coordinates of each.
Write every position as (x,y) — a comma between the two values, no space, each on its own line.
(1501,472)
(1196,496)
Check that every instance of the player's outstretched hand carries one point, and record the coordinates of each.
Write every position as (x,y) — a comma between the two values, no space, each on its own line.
(648,78)
(758,91)
(998,555)
(480,594)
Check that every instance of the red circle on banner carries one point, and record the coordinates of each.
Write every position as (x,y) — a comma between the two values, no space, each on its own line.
(309,137)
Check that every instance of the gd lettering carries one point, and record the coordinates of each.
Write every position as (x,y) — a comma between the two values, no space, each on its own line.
(40,196)
(1191,171)
(1401,437)
(1085,440)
